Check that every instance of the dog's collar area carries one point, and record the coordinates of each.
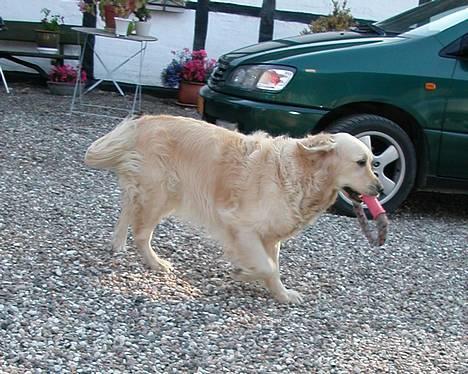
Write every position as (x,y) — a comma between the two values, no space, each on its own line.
(352,194)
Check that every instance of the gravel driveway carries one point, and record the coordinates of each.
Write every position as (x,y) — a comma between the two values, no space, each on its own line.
(68,305)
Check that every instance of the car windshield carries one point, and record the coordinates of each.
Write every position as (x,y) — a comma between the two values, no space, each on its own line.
(440,24)
(420,16)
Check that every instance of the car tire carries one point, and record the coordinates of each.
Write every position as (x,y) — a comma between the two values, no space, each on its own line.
(395,157)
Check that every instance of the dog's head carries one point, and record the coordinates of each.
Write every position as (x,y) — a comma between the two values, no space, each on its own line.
(354,167)
(350,162)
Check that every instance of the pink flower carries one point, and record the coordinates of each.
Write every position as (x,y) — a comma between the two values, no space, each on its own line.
(197,66)
(66,73)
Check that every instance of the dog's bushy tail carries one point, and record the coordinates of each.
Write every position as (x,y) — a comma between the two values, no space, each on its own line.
(115,150)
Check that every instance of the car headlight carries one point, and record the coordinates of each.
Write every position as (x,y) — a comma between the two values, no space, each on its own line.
(263,77)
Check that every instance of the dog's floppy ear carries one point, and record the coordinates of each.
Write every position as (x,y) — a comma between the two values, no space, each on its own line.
(317,143)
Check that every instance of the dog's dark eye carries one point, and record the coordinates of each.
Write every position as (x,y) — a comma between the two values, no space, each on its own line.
(361,162)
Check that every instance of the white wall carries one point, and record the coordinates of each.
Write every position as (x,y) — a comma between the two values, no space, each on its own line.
(366,9)
(175,31)
(30,10)
(285,29)
(227,32)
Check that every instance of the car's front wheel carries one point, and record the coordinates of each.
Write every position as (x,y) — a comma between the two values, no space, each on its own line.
(394,157)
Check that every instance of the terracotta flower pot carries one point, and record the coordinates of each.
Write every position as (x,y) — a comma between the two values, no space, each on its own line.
(109,12)
(109,17)
(188,93)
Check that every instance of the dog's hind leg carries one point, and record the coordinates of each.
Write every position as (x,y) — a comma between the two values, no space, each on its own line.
(252,255)
(146,215)
(119,238)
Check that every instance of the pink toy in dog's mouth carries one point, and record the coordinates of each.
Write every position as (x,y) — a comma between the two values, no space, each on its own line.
(380,218)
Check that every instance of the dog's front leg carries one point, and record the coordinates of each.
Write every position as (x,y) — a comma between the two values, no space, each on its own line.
(274,283)
(258,264)
(280,292)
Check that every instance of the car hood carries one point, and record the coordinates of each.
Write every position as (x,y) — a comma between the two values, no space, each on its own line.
(283,48)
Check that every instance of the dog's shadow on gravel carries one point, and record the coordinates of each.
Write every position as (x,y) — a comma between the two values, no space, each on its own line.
(204,284)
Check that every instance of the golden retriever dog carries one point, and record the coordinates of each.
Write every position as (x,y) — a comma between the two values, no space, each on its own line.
(250,191)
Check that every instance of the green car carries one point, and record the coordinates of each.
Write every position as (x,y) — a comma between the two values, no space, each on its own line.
(400,85)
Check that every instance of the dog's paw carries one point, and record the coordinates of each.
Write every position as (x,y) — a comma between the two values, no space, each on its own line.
(117,247)
(290,296)
(295,297)
(161,266)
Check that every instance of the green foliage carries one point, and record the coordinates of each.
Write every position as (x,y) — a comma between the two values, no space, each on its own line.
(122,8)
(142,12)
(340,19)
(51,22)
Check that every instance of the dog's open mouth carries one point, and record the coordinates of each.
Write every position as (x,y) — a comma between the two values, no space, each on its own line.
(353,195)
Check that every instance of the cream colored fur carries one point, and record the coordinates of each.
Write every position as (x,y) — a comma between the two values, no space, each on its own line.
(251,192)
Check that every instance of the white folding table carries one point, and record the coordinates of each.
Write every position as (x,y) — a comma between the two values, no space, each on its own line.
(78,105)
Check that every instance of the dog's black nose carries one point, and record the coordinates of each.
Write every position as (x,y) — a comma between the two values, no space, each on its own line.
(380,188)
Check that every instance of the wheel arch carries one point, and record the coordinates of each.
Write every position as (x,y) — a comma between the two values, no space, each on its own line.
(402,118)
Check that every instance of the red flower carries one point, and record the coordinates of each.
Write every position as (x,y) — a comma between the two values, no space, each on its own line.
(66,73)
(198,67)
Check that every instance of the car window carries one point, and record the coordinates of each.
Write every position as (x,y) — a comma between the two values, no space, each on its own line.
(420,16)
(440,24)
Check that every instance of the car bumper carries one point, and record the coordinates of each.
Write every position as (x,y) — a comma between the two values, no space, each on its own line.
(248,115)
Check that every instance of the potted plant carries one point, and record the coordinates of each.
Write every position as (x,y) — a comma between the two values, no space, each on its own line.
(143,26)
(189,71)
(109,10)
(340,19)
(49,35)
(62,79)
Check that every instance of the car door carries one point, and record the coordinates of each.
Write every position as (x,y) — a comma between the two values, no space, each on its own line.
(453,158)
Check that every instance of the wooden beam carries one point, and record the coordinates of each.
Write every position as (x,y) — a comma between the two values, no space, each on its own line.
(89,20)
(267,20)
(201,24)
